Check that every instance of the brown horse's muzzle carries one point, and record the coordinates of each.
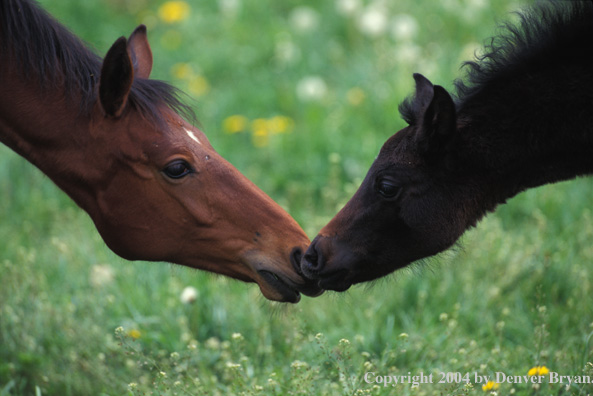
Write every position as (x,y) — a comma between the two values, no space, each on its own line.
(279,283)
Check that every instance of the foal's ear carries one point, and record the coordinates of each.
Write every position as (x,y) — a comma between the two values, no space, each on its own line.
(117,75)
(436,117)
(140,52)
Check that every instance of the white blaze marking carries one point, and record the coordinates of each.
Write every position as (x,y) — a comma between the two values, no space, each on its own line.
(191,135)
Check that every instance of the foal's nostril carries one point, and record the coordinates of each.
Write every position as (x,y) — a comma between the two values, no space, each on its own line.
(312,263)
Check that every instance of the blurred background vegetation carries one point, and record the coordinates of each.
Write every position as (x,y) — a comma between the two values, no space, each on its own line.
(299,96)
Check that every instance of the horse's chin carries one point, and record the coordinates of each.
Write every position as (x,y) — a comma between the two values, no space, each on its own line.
(274,288)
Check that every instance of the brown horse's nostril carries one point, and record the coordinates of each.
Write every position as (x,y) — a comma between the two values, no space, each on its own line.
(312,262)
(295,258)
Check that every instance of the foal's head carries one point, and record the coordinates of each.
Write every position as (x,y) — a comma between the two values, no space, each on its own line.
(409,206)
(166,195)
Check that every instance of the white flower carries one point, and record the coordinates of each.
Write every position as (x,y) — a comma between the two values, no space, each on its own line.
(348,7)
(286,51)
(373,21)
(101,275)
(404,27)
(304,19)
(229,8)
(408,53)
(189,295)
(311,88)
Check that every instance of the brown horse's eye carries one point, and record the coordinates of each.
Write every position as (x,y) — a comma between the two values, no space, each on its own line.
(177,169)
(387,188)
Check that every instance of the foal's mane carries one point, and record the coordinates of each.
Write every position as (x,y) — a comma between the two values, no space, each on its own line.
(48,52)
(546,35)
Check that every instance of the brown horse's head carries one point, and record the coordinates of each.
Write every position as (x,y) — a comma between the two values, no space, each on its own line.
(162,193)
(409,205)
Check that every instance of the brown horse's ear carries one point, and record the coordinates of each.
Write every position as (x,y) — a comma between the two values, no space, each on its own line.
(140,52)
(117,75)
(436,116)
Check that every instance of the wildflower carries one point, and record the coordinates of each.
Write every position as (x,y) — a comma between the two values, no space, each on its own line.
(235,124)
(355,96)
(311,88)
(182,70)
(101,275)
(297,364)
(318,336)
(174,11)
(348,7)
(538,370)
(132,386)
(408,53)
(286,51)
(232,366)
(344,342)
(280,124)
(237,337)
(119,331)
(404,336)
(443,317)
(212,343)
(189,295)
(162,374)
(304,19)
(134,333)
(260,134)
(373,21)
(229,8)
(490,386)
(198,86)
(404,27)
(175,355)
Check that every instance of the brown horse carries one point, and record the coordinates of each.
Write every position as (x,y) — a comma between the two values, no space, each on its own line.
(524,119)
(115,142)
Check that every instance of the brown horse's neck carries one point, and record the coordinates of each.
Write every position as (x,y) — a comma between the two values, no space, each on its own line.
(49,131)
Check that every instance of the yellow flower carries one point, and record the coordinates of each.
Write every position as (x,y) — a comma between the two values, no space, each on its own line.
(182,71)
(355,96)
(260,137)
(280,124)
(198,86)
(538,370)
(174,11)
(490,386)
(135,334)
(235,124)
(260,132)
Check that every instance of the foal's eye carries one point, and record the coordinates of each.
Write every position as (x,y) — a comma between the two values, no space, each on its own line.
(177,169)
(387,188)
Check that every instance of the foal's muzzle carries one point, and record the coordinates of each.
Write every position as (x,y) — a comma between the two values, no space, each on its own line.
(318,264)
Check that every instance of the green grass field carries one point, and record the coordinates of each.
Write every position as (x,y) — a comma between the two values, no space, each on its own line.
(299,96)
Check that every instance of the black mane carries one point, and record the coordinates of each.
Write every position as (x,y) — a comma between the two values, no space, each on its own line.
(48,52)
(547,34)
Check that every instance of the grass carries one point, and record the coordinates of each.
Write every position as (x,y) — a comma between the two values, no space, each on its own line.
(75,319)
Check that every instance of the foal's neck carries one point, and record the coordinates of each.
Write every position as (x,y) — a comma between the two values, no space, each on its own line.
(532,130)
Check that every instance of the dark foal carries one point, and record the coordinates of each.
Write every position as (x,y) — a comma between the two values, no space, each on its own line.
(524,118)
